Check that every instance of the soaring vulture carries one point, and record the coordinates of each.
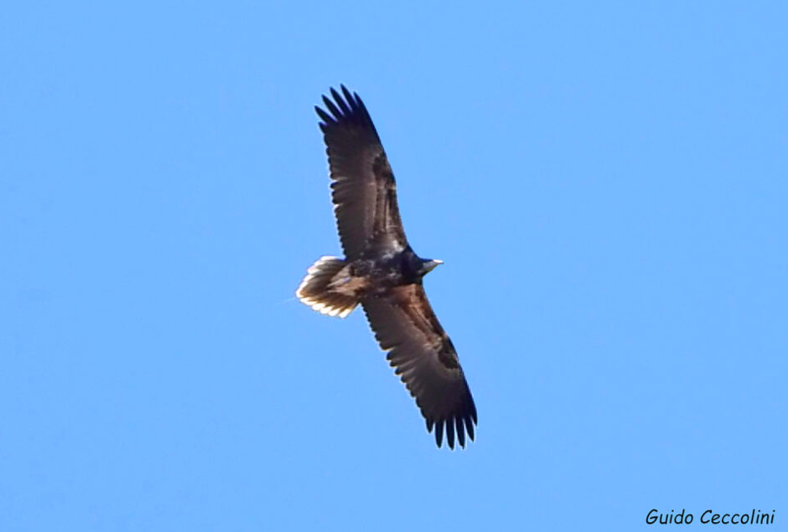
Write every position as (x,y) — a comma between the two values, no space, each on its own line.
(383,273)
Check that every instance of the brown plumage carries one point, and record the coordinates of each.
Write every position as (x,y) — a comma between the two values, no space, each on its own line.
(382,273)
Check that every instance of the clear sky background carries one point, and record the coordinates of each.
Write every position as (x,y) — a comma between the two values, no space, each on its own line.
(607,184)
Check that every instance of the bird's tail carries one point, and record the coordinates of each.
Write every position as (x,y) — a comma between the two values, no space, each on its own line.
(329,288)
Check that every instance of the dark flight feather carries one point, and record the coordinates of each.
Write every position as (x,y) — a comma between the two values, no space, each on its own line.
(423,355)
(363,187)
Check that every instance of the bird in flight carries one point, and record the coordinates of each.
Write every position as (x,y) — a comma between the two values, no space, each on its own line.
(381,271)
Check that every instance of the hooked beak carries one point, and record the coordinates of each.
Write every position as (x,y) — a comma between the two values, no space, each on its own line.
(431,265)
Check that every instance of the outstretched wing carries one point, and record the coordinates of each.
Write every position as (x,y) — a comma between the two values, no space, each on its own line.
(363,188)
(422,353)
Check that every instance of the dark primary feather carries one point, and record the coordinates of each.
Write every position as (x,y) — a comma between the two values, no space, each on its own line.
(363,185)
(422,353)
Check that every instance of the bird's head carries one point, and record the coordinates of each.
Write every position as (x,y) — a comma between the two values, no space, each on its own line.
(428,265)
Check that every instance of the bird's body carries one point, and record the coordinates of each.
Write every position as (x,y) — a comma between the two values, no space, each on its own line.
(383,273)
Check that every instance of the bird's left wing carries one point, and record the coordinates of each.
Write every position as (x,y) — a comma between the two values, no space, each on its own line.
(423,355)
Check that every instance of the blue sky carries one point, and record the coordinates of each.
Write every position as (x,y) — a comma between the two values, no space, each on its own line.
(606,183)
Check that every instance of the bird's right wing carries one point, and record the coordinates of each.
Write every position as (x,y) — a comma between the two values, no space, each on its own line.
(364,191)
(422,353)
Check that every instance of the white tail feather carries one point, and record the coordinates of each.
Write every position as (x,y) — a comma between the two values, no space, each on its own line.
(318,292)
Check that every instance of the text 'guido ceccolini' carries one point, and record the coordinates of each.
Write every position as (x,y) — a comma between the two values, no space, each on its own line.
(710,517)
